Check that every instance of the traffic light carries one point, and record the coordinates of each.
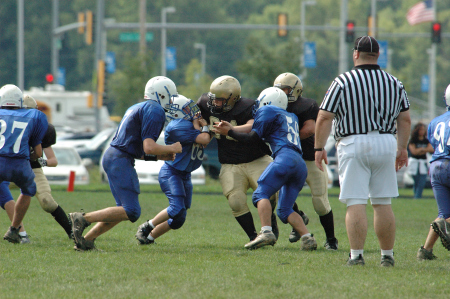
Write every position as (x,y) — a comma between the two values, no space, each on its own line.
(89,26)
(436,33)
(282,23)
(49,78)
(100,82)
(370,26)
(350,32)
(81,19)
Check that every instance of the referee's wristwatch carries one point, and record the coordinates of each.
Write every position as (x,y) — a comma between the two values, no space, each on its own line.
(319,149)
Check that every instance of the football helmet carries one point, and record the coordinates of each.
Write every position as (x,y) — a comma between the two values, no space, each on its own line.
(181,107)
(160,89)
(447,97)
(291,81)
(271,96)
(225,89)
(11,96)
(29,102)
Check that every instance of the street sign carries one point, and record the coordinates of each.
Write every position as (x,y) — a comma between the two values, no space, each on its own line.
(171,58)
(309,52)
(134,36)
(425,83)
(110,61)
(383,58)
(61,77)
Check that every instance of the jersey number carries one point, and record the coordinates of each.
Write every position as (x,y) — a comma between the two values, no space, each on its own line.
(16,124)
(213,119)
(439,133)
(293,135)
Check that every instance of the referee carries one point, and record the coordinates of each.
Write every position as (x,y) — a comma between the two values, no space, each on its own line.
(368,106)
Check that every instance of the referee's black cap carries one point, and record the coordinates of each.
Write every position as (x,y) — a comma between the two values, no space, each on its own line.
(366,44)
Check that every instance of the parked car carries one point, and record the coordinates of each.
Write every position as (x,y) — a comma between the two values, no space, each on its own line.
(94,148)
(76,140)
(148,171)
(68,160)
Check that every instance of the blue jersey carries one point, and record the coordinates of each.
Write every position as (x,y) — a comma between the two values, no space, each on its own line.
(183,131)
(141,121)
(439,136)
(277,127)
(20,129)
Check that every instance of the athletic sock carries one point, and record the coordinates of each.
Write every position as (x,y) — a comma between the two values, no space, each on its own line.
(23,234)
(151,224)
(354,254)
(327,222)
(295,207)
(387,252)
(264,228)
(150,237)
(308,234)
(61,217)
(247,224)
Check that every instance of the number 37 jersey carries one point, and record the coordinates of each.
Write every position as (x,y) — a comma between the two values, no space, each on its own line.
(277,127)
(439,136)
(20,129)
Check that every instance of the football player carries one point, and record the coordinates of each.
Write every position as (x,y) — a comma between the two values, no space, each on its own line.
(274,125)
(242,164)
(19,129)
(135,139)
(439,136)
(306,110)
(185,126)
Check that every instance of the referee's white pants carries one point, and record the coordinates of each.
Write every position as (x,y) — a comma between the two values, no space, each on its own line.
(367,167)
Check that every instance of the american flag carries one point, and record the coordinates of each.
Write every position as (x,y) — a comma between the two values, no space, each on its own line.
(421,12)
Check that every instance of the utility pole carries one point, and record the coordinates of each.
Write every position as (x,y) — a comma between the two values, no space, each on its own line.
(303,39)
(432,71)
(98,57)
(142,39)
(202,48)
(164,12)
(374,18)
(343,49)
(20,47)
(55,38)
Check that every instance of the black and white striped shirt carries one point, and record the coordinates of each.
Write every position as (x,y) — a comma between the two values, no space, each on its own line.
(365,99)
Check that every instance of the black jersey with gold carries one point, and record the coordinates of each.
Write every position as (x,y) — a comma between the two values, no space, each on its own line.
(305,109)
(48,140)
(231,151)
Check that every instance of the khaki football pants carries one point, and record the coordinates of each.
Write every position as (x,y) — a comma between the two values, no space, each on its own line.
(236,179)
(317,181)
(43,191)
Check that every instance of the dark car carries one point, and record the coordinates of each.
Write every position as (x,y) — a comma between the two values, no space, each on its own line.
(211,160)
(94,149)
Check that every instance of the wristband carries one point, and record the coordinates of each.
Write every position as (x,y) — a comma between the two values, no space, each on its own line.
(318,149)
(205,129)
(148,157)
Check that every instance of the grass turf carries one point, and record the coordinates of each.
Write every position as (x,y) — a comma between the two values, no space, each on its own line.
(206,257)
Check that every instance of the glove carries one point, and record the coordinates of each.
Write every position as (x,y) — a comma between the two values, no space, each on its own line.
(42,161)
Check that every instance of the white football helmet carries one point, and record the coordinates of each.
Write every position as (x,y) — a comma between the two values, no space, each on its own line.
(29,102)
(291,81)
(160,89)
(447,97)
(272,96)
(11,96)
(181,107)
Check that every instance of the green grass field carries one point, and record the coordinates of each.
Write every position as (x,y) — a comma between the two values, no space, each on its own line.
(206,257)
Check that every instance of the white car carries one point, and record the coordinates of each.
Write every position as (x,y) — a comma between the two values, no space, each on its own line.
(148,171)
(68,160)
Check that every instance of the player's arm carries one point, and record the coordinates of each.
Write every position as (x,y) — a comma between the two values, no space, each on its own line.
(251,137)
(323,129)
(51,160)
(403,132)
(205,137)
(154,151)
(307,129)
(223,127)
(36,152)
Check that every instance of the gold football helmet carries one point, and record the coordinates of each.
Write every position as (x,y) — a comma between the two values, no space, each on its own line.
(292,82)
(225,90)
